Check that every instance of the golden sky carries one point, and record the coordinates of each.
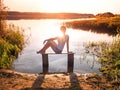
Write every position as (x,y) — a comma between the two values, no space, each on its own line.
(77,6)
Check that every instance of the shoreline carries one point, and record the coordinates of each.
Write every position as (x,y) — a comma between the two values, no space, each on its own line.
(11,80)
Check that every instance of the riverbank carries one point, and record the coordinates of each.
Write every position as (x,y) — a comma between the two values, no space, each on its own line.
(11,80)
(102,25)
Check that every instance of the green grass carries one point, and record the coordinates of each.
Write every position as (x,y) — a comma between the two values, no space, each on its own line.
(110,60)
(11,44)
(99,25)
(8,53)
(108,56)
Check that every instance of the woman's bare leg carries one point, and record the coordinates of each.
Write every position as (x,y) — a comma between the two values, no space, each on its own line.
(49,43)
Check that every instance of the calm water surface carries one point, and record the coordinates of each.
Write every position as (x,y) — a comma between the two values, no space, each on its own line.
(39,30)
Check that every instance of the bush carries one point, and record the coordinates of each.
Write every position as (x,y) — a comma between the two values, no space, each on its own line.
(8,53)
(11,40)
(10,45)
(108,56)
(110,60)
(15,36)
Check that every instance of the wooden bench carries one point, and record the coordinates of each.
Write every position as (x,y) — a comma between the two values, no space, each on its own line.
(70,60)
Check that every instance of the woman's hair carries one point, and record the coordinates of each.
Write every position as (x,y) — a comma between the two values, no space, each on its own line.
(63,28)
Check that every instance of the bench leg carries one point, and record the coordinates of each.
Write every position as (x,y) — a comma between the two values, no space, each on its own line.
(45,63)
(70,63)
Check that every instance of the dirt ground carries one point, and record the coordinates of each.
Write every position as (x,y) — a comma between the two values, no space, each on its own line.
(10,80)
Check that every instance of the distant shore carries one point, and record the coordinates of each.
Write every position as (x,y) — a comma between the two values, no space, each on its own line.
(14,15)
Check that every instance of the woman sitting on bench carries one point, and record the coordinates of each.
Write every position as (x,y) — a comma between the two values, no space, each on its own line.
(57,47)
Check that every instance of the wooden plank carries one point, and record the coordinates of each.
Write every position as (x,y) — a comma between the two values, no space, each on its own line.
(45,63)
(60,53)
(70,65)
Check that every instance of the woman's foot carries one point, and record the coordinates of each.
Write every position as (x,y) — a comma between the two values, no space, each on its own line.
(41,52)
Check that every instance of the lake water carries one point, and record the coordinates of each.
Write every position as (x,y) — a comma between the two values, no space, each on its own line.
(39,30)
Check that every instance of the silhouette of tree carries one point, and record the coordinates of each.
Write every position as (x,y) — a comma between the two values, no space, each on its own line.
(3,15)
(107,14)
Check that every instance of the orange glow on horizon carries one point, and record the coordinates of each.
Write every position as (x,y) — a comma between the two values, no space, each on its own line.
(78,6)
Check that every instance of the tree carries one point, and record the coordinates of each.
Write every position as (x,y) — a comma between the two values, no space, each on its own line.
(107,14)
(3,15)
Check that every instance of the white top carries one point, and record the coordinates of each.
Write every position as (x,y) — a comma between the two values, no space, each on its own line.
(62,41)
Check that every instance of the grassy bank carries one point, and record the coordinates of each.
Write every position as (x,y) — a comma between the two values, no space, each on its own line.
(107,25)
(109,57)
(11,40)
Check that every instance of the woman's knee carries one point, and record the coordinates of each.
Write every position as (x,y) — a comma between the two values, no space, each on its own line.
(50,41)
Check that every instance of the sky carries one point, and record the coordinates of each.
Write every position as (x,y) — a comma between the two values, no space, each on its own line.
(75,6)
